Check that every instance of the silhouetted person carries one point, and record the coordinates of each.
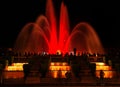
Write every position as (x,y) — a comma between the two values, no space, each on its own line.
(74,51)
(68,75)
(93,69)
(1,73)
(101,76)
(59,74)
(26,70)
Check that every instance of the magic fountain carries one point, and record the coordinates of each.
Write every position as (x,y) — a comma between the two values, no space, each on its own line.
(44,35)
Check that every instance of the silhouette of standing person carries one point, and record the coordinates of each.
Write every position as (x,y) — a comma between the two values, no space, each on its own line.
(101,76)
(59,73)
(68,75)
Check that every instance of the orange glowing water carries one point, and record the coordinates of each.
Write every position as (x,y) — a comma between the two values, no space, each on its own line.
(15,67)
(14,71)
(109,73)
(45,36)
(57,68)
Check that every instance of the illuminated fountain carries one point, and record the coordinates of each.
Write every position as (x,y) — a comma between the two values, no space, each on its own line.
(109,73)
(14,71)
(15,67)
(45,36)
(59,68)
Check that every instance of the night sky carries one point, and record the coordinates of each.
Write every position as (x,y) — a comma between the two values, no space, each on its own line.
(102,16)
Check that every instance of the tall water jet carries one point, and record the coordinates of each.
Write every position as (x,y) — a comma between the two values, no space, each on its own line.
(85,39)
(31,39)
(44,35)
(52,20)
(64,28)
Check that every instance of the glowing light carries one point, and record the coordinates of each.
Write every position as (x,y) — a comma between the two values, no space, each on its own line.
(106,69)
(100,63)
(15,67)
(16,74)
(64,64)
(103,67)
(108,74)
(58,52)
(52,64)
(59,67)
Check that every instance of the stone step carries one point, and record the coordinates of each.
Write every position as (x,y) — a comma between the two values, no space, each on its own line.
(32,80)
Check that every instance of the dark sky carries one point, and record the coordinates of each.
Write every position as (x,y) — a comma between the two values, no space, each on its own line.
(103,16)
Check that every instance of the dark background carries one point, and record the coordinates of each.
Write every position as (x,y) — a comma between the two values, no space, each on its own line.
(103,16)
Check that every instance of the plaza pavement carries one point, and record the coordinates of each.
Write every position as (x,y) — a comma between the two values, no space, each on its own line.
(50,82)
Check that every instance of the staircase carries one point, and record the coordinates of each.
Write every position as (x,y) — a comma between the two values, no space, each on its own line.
(85,69)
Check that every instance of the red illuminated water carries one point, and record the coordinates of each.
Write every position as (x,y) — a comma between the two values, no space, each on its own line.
(45,36)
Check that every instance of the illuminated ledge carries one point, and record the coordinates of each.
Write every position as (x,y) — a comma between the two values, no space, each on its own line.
(98,63)
(58,69)
(108,74)
(13,74)
(14,71)
(15,67)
